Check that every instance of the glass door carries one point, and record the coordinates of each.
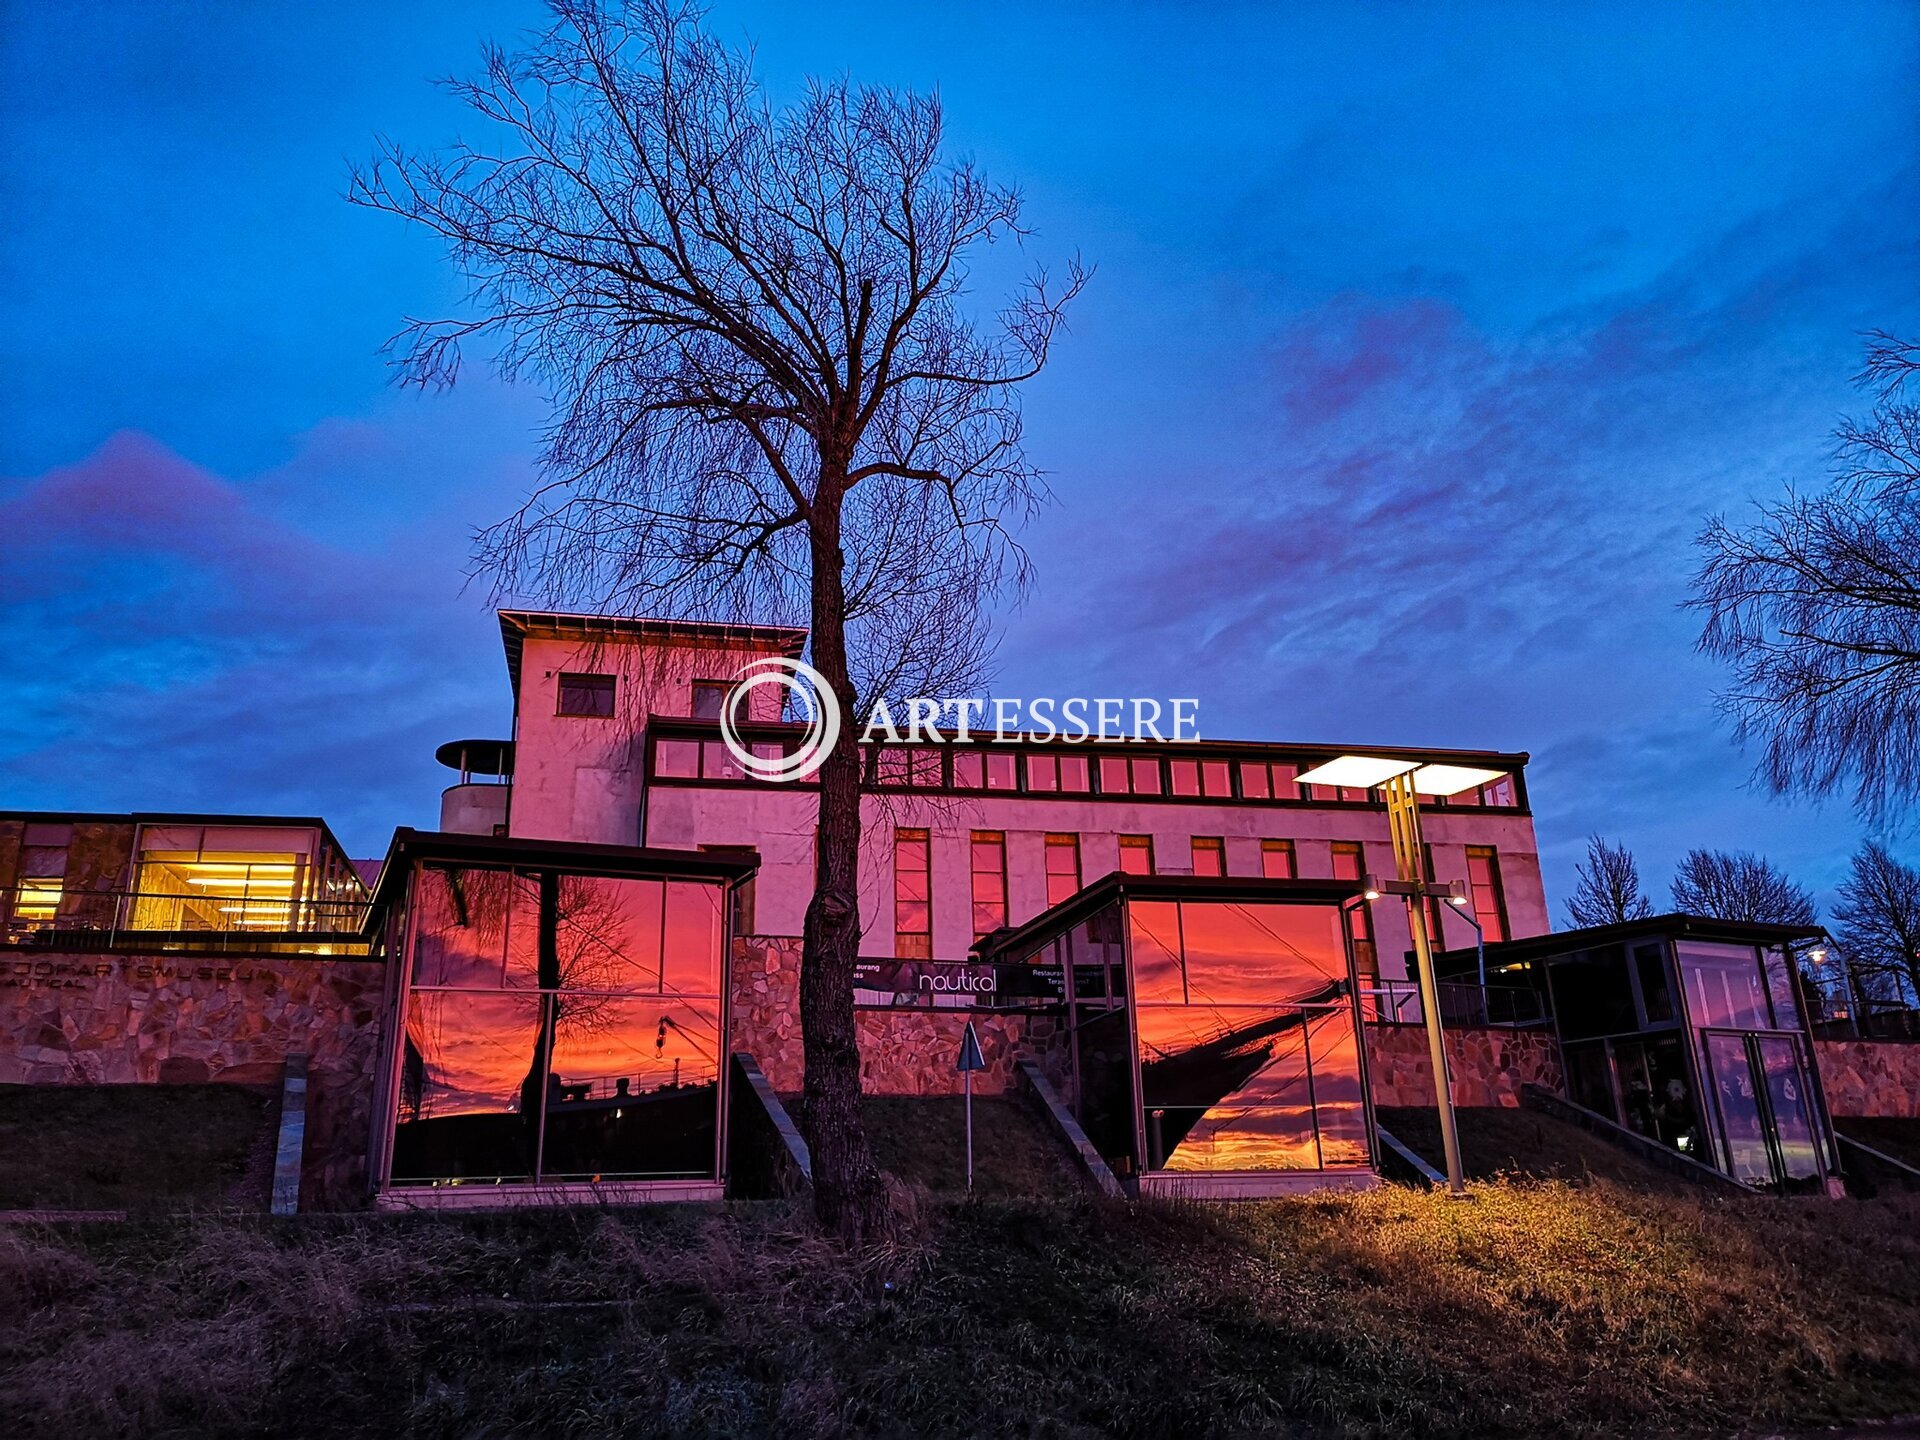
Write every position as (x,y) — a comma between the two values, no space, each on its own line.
(1769,1130)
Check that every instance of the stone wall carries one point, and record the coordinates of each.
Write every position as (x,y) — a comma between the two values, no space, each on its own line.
(1489,1064)
(1870,1077)
(173,1018)
(902,1052)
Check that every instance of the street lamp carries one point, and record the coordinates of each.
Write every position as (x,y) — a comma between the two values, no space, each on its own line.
(1403,781)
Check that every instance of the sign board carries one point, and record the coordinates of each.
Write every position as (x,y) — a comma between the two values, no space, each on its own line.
(970,1057)
(953,985)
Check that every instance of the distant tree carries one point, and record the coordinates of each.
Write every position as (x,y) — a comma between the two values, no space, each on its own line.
(1877,925)
(771,397)
(1729,886)
(1816,606)
(1609,888)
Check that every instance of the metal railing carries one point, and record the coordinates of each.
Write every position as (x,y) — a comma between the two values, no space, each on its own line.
(1397,1002)
(37,916)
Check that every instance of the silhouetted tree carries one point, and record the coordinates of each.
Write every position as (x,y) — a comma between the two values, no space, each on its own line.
(1816,605)
(1877,925)
(1609,888)
(1729,886)
(770,402)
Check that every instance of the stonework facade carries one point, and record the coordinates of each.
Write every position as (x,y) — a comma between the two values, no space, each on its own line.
(1870,1077)
(1488,1064)
(902,1052)
(172,1018)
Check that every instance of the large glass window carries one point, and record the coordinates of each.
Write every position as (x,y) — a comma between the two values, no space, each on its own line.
(559,1027)
(1726,989)
(912,895)
(989,881)
(1248,1051)
(192,877)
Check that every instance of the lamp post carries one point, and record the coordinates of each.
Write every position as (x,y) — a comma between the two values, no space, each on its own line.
(1402,782)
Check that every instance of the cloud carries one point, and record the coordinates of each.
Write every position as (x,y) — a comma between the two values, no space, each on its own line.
(188,647)
(1451,537)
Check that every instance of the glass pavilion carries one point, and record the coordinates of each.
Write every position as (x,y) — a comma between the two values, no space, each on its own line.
(1690,1031)
(1212,1046)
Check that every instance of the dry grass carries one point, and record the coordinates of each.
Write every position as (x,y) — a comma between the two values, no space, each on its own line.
(135,1147)
(1531,1309)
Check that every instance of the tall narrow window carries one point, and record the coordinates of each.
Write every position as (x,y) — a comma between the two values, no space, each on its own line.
(1350,863)
(1276,860)
(1136,855)
(1436,907)
(1063,867)
(586,695)
(1209,855)
(989,881)
(912,895)
(1489,900)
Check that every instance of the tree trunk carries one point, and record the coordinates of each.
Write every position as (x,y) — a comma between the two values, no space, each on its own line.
(848,1195)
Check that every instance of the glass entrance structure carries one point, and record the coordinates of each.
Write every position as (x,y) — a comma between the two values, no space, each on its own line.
(1689,1031)
(559,1021)
(1211,1043)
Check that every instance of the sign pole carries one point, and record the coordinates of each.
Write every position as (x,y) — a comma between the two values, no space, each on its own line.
(969,1132)
(969,1061)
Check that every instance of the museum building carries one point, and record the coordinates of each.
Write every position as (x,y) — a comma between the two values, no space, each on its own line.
(584,981)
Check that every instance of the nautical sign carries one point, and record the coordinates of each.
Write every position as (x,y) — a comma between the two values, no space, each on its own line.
(970,1057)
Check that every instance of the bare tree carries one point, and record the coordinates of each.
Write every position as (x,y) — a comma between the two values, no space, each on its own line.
(1609,888)
(1730,886)
(770,402)
(1877,926)
(1816,606)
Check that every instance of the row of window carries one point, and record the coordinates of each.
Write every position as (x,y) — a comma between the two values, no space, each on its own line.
(913,882)
(942,767)
(590,697)
(1010,771)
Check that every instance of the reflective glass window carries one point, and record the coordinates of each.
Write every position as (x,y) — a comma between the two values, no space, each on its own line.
(1136,855)
(1276,860)
(679,759)
(1209,855)
(1063,867)
(989,850)
(468,1087)
(632,1092)
(912,895)
(1489,899)
(1002,770)
(1725,986)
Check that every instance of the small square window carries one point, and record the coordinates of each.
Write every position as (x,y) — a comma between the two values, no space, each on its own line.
(710,698)
(586,695)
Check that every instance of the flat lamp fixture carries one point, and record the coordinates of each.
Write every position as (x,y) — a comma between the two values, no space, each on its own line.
(1364,772)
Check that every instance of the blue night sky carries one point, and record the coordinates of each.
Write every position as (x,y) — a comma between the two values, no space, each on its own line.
(1420,345)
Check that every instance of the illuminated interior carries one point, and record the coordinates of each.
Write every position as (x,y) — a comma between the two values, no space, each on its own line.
(218,890)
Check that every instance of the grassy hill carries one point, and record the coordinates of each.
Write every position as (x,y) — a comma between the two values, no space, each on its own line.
(1533,1308)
